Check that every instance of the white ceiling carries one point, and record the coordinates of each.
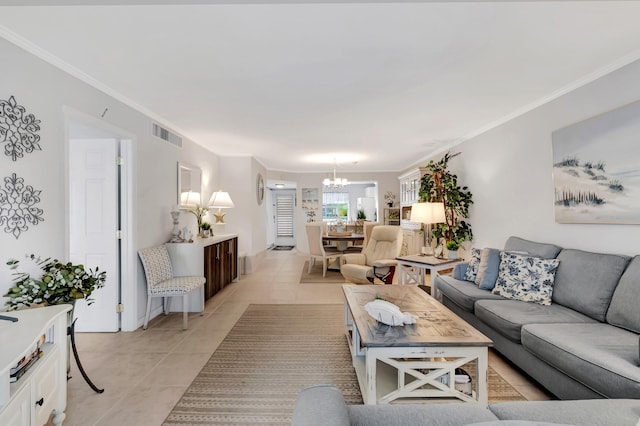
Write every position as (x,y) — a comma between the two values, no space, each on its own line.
(385,84)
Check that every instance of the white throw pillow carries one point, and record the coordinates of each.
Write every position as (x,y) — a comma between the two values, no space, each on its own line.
(526,278)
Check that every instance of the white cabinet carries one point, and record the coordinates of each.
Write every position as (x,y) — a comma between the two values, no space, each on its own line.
(411,241)
(409,193)
(42,390)
(18,411)
(46,380)
(409,189)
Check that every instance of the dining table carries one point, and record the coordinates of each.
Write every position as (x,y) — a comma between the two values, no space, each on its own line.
(342,239)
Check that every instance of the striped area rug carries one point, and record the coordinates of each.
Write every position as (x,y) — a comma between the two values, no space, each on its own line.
(272,353)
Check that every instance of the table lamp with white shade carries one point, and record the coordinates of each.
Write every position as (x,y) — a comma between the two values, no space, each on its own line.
(220,200)
(189,199)
(428,213)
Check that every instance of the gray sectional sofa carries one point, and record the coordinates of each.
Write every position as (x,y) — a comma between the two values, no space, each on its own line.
(325,405)
(585,344)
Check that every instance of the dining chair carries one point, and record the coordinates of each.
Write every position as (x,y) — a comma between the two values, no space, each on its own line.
(161,282)
(366,231)
(317,249)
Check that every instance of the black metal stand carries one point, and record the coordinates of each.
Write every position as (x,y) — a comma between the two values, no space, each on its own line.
(6,318)
(383,273)
(72,334)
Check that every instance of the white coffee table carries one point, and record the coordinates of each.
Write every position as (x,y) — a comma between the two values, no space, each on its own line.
(407,363)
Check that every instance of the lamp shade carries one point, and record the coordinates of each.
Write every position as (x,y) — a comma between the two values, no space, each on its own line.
(220,200)
(190,199)
(427,213)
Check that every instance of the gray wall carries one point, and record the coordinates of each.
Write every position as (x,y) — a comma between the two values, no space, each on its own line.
(46,92)
(509,171)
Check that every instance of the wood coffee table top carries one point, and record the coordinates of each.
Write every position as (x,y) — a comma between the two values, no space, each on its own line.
(436,325)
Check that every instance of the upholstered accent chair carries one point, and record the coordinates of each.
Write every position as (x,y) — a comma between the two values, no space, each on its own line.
(381,250)
(367,227)
(161,282)
(317,249)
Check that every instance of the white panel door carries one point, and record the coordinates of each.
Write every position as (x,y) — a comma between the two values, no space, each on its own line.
(93,202)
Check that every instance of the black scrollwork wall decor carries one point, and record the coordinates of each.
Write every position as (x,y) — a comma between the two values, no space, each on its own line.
(18,130)
(18,206)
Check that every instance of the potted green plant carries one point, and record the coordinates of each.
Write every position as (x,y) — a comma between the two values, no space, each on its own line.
(362,215)
(199,212)
(452,247)
(441,185)
(58,283)
(205,229)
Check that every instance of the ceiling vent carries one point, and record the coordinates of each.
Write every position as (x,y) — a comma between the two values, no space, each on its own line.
(167,135)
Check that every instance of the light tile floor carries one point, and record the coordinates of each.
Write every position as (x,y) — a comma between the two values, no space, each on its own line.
(145,372)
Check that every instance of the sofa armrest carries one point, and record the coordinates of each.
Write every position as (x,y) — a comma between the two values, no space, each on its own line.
(320,405)
(459,270)
(356,258)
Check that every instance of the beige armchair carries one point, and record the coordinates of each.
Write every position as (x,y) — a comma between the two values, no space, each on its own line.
(383,246)
(317,249)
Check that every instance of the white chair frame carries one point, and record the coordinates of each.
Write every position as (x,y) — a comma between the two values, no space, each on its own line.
(161,282)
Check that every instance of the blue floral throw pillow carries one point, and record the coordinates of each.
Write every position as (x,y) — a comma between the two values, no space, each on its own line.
(526,278)
(472,268)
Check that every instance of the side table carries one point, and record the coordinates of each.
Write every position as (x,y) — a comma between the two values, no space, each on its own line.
(413,268)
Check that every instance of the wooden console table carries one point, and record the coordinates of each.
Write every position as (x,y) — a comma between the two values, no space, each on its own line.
(42,390)
(215,258)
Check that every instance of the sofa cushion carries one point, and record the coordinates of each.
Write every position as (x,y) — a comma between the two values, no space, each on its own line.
(516,423)
(585,281)
(472,268)
(601,356)
(320,405)
(488,268)
(525,278)
(596,412)
(545,251)
(462,293)
(508,316)
(623,310)
(418,414)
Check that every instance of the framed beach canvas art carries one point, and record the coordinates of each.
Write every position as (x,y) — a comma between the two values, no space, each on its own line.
(596,169)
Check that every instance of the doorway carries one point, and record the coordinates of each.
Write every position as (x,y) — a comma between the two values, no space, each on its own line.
(99,216)
(284,217)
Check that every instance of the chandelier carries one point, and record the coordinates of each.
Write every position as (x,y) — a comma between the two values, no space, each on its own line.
(336,182)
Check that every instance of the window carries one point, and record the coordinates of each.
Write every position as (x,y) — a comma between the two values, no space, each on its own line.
(335,205)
